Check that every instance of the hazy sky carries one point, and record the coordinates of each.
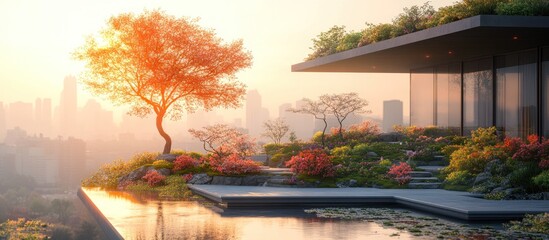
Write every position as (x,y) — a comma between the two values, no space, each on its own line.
(38,37)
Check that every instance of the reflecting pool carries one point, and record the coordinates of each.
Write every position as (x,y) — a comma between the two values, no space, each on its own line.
(142,217)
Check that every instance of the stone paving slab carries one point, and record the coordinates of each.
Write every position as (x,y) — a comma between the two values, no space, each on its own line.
(461,205)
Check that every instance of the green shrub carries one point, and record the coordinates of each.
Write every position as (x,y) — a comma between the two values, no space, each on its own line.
(385,163)
(533,223)
(522,175)
(340,154)
(388,150)
(139,186)
(175,188)
(361,149)
(107,175)
(542,180)
(495,196)
(523,7)
(158,164)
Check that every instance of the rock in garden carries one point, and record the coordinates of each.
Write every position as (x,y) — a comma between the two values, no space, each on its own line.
(201,178)
(255,180)
(167,157)
(136,174)
(482,177)
(164,171)
(372,155)
(221,180)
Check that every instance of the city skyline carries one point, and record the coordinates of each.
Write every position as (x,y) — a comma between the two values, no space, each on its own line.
(64,25)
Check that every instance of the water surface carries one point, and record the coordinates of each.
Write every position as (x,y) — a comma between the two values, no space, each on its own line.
(141,217)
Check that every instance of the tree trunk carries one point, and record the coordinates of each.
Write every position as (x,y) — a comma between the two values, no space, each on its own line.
(167,138)
(341,130)
(324,132)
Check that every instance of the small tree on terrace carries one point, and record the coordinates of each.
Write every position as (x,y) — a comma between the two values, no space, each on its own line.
(158,63)
(316,108)
(341,105)
(275,130)
(222,140)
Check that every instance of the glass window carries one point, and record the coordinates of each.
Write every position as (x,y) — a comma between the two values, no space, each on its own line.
(448,97)
(516,94)
(422,97)
(545,92)
(477,95)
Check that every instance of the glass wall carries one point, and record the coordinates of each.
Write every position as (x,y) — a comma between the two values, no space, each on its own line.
(477,95)
(422,97)
(516,94)
(448,97)
(545,90)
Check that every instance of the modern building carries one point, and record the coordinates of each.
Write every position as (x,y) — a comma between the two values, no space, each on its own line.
(2,122)
(256,114)
(68,109)
(392,115)
(481,71)
(301,124)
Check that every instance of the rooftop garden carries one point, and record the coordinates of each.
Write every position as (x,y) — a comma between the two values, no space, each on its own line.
(417,18)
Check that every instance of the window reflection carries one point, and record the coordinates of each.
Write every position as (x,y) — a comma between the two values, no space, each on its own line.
(421,97)
(545,90)
(516,94)
(477,95)
(448,97)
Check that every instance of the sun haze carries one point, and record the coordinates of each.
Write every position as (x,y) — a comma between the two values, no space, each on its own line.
(38,38)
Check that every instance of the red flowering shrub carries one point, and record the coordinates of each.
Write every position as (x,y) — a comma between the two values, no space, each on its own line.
(401,173)
(184,162)
(234,165)
(528,151)
(154,178)
(312,162)
(544,164)
(188,177)
(510,145)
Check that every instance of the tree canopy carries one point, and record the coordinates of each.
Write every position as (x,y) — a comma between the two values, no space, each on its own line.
(154,62)
(275,130)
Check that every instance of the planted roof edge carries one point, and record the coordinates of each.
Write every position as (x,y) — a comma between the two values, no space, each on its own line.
(478,21)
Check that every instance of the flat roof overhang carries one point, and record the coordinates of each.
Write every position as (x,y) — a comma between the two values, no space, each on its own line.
(470,38)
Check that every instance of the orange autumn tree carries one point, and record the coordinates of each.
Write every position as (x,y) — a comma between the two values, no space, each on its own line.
(158,63)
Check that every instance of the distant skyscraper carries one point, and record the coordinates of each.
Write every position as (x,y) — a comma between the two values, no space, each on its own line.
(68,108)
(20,114)
(301,124)
(392,114)
(95,123)
(46,117)
(2,122)
(256,115)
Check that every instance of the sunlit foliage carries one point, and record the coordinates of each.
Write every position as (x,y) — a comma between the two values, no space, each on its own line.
(417,18)
(158,63)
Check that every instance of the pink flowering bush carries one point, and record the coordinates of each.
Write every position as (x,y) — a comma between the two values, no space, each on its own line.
(234,165)
(312,162)
(154,178)
(400,173)
(184,162)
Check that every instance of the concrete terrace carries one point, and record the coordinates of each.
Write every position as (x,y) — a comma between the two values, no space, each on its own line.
(460,205)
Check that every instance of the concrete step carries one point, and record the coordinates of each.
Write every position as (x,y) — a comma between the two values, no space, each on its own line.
(424,185)
(432,169)
(420,174)
(425,180)
(277,180)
